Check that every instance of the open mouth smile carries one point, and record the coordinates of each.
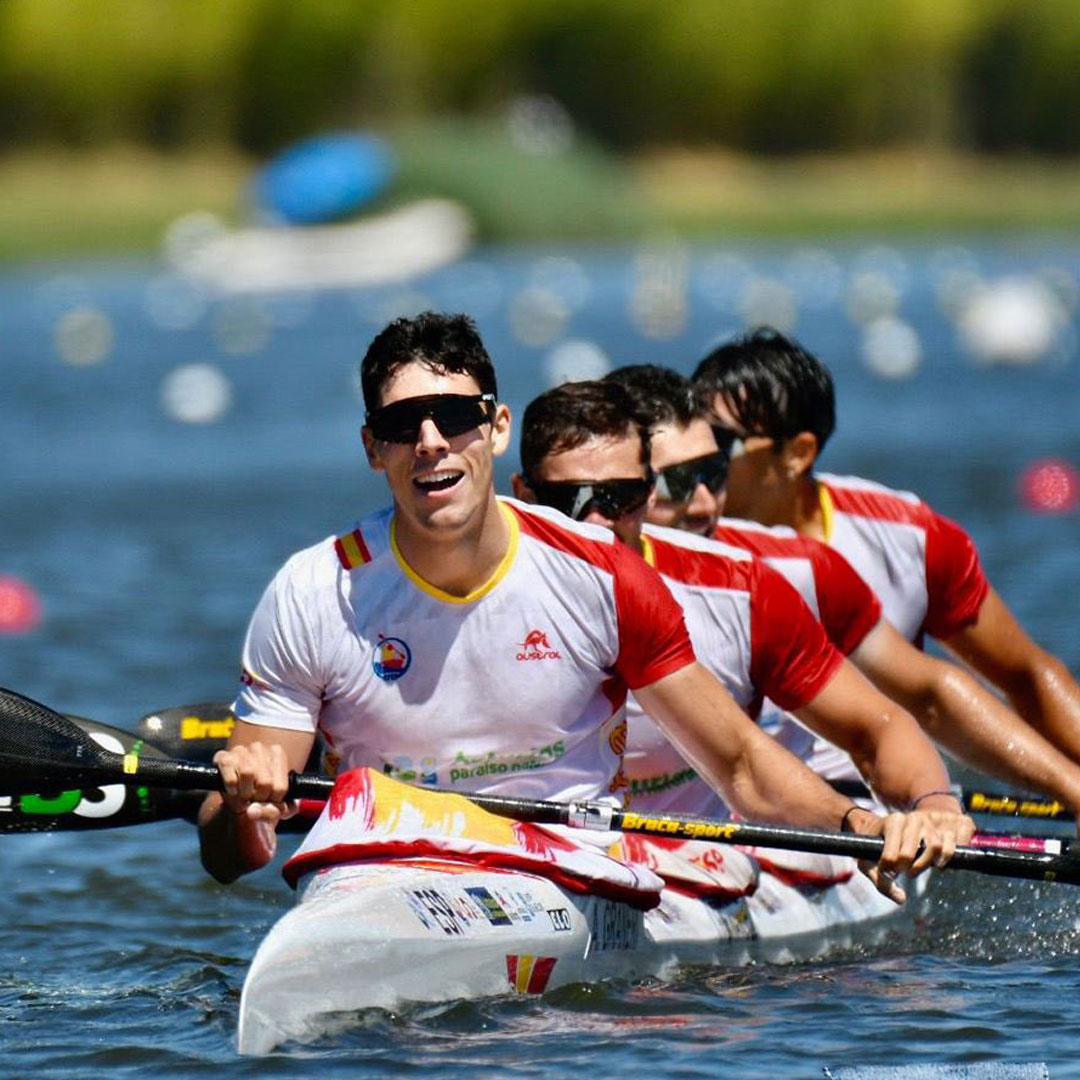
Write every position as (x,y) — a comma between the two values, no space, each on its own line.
(433,482)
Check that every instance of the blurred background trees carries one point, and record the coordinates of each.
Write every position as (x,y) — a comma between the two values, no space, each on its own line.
(772,76)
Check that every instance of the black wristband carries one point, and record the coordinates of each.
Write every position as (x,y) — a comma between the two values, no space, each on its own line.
(928,794)
(845,825)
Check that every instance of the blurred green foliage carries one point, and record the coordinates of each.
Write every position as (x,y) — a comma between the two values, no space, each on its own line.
(767,75)
(584,194)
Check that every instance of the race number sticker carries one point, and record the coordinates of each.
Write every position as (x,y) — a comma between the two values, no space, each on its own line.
(615,927)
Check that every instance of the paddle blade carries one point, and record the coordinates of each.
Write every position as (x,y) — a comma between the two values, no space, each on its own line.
(42,750)
(101,806)
(39,748)
(197,732)
(192,732)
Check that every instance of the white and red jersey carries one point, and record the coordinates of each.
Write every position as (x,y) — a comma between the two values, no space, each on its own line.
(923,567)
(750,628)
(845,605)
(517,688)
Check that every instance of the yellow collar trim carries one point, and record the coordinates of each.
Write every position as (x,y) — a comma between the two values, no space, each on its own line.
(500,571)
(648,552)
(827,510)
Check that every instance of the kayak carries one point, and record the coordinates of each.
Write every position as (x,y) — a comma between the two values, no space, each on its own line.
(382,934)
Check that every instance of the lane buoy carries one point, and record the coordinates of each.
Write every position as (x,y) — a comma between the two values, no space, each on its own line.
(20,608)
(1050,486)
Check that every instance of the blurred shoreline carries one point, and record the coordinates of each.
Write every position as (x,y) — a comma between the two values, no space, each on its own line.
(57,203)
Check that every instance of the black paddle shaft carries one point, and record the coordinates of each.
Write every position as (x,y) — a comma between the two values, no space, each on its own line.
(1060,865)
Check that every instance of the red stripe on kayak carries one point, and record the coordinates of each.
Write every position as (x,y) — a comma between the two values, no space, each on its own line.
(805,878)
(541,972)
(389,850)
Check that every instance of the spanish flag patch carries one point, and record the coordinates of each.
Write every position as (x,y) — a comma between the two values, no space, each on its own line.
(351,550)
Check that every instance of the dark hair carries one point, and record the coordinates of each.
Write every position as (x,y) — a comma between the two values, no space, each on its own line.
(771,384)
(571,414)
(447,344)
(661,396)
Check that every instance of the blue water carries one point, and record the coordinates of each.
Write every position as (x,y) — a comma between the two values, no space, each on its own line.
(149,540)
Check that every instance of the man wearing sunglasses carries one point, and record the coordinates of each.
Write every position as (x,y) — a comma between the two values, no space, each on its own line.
(581,446)
(495,643)
(923,567)
(954,708)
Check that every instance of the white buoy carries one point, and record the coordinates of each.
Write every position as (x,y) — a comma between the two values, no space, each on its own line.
(572,361)
(83,336)
(891,348)
(1012,320)
(196,394)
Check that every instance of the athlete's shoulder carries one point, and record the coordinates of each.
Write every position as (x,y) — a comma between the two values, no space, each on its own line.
(362,545)
(350,549)
(556,532)
(765,541)
(699,560)
(707,546)
(858,497)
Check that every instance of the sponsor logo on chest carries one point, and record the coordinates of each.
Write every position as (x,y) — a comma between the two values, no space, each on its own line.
(537,647)
(390,658)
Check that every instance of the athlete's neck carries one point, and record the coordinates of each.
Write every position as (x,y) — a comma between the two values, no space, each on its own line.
(458,562)
(808,517)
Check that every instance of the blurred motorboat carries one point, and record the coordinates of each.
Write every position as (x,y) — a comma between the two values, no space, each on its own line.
(379,249)
(313,226)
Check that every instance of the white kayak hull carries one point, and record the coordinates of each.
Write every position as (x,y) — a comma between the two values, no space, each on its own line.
(382,249)
(380,935)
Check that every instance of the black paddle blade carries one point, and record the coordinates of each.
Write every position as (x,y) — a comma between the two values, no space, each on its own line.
(102,806)
(40,749)
(197,732)
(192,732)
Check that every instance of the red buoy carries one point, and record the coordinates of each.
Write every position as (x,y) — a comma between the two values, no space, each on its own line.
(20,609)
(1050,486)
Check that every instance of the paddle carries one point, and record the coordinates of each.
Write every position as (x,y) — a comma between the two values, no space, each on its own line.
(194,732)
(97,807)
(42,749)
(197,732)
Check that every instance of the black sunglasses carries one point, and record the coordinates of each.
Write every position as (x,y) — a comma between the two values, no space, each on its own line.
(453,414)
(729,440)
(676,483)
(611,498)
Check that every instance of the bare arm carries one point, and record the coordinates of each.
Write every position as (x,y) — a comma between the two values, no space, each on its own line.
(964,717)
(764,782)
(888,747)
(237,830)
(897,759)
(1038,684)
(756,776)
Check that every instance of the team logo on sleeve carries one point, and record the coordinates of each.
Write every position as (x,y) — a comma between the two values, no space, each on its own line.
(253,681)
(537,647)
(391,658)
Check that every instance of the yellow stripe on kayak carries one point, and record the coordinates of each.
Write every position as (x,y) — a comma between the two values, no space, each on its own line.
(399,805)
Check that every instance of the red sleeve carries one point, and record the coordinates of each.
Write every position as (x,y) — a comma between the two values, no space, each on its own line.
(955,582)
(848,608)
(791,658)
(653,641)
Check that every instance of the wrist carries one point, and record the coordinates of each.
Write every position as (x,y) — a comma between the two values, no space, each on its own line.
(937,800)
(853,816)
